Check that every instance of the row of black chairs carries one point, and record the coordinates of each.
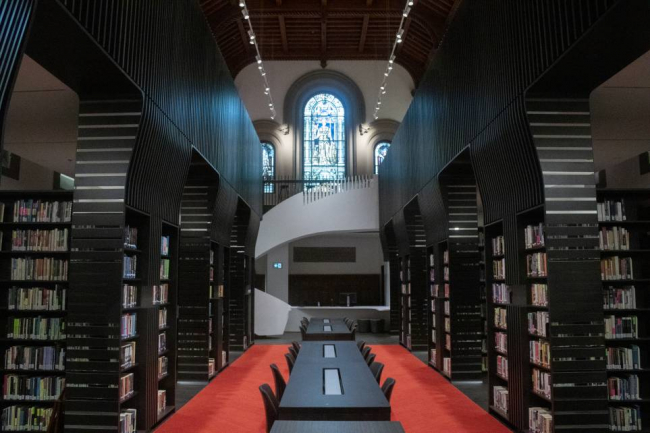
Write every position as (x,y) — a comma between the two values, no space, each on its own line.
(272,400)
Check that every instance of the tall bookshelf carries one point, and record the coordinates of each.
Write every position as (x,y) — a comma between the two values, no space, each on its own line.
(405,303)
(624,223)
(434,311)
(34,232)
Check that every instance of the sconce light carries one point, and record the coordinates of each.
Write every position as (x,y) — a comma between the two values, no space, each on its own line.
(363,129)
(284,129)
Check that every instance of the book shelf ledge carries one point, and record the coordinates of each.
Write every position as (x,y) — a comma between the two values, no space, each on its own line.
(130,367)
(132,250)
(535,248)
(625,310)
(163,377)
(500,412)
(128,397)
(33,281)
(164,413)
(542,396)
(628,370)
(540,307)
(35,253)
(501,377)
(540,366)
(135,280)
(628,401)
(30,372)
(32,224)
(130,337)
(37,312)
(31,341)
(27,401)
(501,352)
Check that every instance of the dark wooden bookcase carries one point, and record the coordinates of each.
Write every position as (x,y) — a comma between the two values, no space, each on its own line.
(405,303)
(635,228)
(10,282)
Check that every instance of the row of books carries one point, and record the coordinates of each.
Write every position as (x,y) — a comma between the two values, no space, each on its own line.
(35,358)
(127,354)
(616,268)
(540,420)
(627,418)
(447,324)
(623,358)
(614,238)
(26,418)
(212,367)
(164,247)
(164,269)
(131,237)
(624,388)
(538,323)
(501,342)
(36,298)
(162,400)
(539,295)
(611,210)
(446,273)
(39,240)
(534,236)
(540,352)
(499,269)
(447,308)
(500,398)
(161,294)
(163,366)
(501,293)
(541,382)
(31,211)
(448,342)
(445,257)
(498,246)
(446,366)
(162,342)
(621,327)
(36,328)
(162,318)
(502,366)
(129,296)
(619,298)
(536,265)
(128,325)
(32,388)
(500,318)
(43,269)
(130,267)
(126,385)
(220,291)
(212,257)
(128,420)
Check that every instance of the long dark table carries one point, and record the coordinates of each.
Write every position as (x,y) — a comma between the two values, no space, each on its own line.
(328,329)
(337,427)
(333,389)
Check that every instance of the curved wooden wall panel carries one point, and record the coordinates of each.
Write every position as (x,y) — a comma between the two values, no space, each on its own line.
(168,50)
(479,71)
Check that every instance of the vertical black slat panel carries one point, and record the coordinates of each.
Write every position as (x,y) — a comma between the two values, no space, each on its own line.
(195,92)
(251,236)
(401,233)
(96,260)
(239,279)
(224,214)
(392,256)
(442,119)
(433,212)
(15,18)
(417,254)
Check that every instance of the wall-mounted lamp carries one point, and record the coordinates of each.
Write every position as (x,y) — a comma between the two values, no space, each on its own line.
(363,129)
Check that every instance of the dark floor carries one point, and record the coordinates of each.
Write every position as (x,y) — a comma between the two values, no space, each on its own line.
(476,391)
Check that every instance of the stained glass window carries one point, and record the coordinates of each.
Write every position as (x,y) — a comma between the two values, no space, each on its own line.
(324,147)
(381,149)
(268,165)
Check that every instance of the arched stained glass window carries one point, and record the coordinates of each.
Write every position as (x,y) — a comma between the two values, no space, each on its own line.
(268,165)
(381,149)
(324,143)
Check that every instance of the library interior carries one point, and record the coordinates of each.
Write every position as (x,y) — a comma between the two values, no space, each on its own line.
(319,216)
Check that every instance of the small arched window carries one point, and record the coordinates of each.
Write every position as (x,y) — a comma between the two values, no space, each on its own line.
(268,165)
(381,150)
(324,138)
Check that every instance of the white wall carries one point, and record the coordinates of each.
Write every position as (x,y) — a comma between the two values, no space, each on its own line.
(369,258)
(356,210)
(277,280)
(367,74)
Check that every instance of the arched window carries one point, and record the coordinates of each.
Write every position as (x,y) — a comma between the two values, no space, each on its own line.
(324,138)
(381,149)
(268,165)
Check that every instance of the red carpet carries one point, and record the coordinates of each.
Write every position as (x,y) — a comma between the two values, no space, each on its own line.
(422,400)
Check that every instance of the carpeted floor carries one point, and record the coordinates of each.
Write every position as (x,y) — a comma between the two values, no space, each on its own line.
(422,401)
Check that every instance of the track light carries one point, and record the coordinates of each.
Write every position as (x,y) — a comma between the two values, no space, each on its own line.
(383,92)
(268,89)
(392,59)
(406,11)
(259,59)
(242,4)
(399,36)
(244,12)
(410,3)
(390,68)
(251,35)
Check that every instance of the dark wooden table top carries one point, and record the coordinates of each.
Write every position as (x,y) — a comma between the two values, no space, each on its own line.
(337,427)
(361,398)
(337,330)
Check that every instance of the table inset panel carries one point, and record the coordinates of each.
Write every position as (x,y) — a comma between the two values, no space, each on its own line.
(337,427)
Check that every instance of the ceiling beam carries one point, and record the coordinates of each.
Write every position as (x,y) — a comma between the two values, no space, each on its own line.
(323,38)
(242,32)
(283,34)
(364,32)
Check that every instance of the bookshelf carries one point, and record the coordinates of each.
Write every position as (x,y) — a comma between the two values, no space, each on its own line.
(434,293)
(35,228)
(405,303)
(624,243)
(483,296)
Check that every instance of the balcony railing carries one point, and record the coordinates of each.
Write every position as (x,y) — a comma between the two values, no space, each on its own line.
(279,189)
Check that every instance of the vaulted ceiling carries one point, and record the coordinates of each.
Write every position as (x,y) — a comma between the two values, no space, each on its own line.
(329,30)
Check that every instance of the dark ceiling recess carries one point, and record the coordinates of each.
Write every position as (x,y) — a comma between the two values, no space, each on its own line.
(329,30)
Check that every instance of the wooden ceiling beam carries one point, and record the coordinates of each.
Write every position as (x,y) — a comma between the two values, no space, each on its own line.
(244,36)
(364,33)
(283,34)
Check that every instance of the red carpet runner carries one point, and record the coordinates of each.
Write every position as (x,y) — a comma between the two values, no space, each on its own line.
(422,400)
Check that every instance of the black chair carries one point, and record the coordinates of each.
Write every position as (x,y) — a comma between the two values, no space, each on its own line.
(354,334)
(271,405)
(365,352)
(293,352)
(303,331)
(290,361)
(280,384)
(361,344)
(377,368)
(296,346)
(387,388)
(371,359)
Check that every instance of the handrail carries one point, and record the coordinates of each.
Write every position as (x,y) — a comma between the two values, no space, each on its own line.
(279,189)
